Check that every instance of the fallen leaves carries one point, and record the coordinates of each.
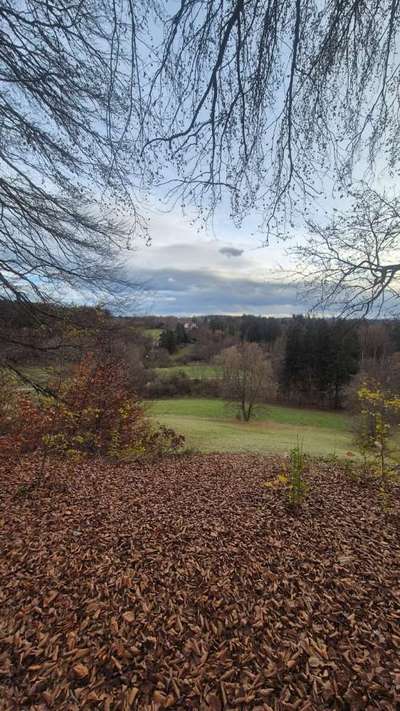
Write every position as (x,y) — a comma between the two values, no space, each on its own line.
(129,616)
(188,585)
(80,671)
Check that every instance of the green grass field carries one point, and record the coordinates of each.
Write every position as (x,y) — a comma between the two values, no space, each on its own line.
(41,376)
(211,426)
(193,371)
(38,374)
(153,333)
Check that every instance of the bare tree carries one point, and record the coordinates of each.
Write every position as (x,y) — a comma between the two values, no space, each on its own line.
(376,343)
(246,377)
(261,98)
(256,98)
(68,95)
(352,265)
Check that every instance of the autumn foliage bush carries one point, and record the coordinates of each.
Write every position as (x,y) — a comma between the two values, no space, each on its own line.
(95,412)
(377,425)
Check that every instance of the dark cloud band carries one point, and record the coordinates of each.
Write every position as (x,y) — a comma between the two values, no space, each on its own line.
(179,292)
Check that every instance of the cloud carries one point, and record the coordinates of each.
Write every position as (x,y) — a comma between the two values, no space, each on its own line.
(195,292)
(187,272)
(231,251)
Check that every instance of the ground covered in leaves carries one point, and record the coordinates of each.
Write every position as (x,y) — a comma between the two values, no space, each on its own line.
(187,585)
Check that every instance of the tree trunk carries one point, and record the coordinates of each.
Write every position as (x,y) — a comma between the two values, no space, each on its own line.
(336,400)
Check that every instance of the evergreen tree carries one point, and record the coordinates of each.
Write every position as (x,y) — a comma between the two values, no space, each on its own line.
(181,335)
(346,357)
(293,364)
(321,356)
(259,329)
(168,340)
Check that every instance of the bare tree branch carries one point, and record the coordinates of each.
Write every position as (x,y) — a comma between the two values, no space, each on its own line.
(352,265)
(68,76)
(263,98)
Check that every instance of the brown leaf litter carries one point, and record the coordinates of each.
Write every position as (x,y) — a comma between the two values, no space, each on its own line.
(187,585)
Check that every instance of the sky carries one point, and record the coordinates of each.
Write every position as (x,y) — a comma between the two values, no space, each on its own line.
(187,271)
(220,269)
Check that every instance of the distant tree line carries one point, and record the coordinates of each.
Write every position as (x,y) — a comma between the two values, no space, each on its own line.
(253,329)
(256,329)
(311,361)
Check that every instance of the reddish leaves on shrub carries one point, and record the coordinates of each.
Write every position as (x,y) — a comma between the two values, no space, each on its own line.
(95,412)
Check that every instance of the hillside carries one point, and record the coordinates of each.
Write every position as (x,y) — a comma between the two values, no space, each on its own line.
(210,425)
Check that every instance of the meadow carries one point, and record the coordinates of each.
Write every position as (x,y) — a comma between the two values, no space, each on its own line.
(210,425)
(194,371)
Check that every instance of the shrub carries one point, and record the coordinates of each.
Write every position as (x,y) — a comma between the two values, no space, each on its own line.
(94,413)
(297,487)
(379,412)
(292,477)
(351,468)
(8,396)
(178,384)
(206,387)
(174,385)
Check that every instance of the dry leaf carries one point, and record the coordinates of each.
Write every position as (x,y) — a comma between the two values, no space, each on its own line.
(129,616)
(80,671)
(148,609)
(314,662)
(131,694)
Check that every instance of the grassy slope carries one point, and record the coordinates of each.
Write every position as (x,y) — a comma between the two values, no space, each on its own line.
(153,333)
(210,426)
(194,370)
(38,374)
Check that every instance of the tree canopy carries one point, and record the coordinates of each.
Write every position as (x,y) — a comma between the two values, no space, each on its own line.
(68,95)
(261,99)
(282,105)
(254,101)
(321,356)
(246,377)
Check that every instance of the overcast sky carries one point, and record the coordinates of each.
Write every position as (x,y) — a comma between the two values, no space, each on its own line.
(222,269)
(187,271)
